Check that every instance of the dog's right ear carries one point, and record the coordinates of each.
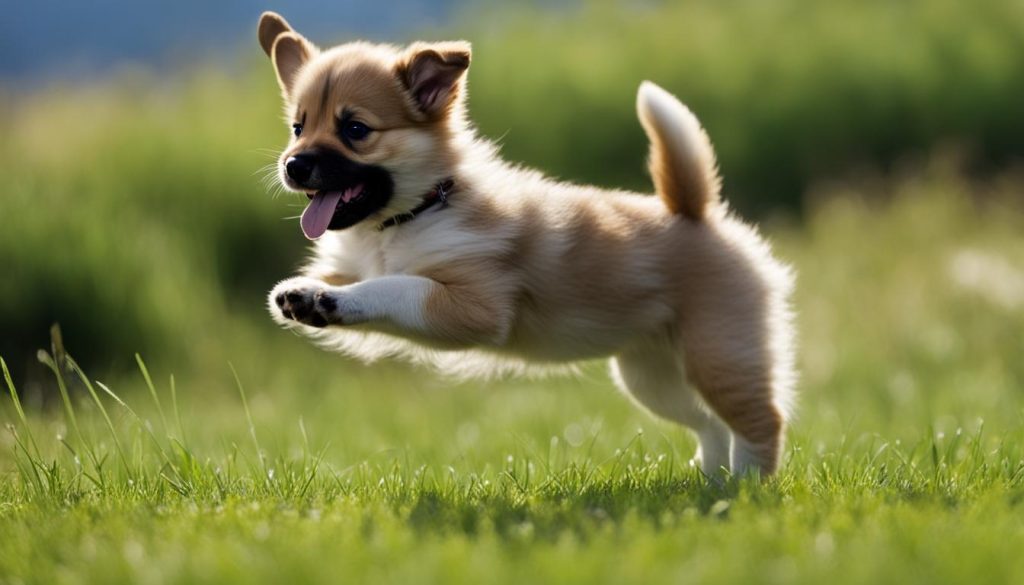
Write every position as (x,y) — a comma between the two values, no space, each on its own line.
(287,49)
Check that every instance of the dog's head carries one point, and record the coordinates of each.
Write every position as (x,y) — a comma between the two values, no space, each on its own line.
(372,125)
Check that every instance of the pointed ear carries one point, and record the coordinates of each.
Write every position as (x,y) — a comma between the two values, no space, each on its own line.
(433,74)
(272,25)
(289,53)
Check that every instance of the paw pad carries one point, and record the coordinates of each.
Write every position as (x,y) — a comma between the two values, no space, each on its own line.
(305,305)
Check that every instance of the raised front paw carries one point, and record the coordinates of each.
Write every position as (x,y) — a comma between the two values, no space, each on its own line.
(304,300)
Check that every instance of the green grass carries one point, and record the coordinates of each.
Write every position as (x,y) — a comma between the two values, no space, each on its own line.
(905,464)
(134,215)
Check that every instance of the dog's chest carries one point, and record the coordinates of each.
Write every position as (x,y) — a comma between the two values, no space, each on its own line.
(377,254)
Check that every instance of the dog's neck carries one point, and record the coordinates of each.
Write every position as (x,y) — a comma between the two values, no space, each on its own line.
(437,195)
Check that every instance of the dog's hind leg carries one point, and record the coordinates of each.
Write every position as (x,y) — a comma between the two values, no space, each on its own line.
(652,373)
(734,375)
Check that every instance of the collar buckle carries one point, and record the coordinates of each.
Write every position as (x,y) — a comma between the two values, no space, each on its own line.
(442,189)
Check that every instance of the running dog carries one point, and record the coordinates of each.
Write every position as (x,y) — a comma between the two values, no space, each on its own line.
(429,246)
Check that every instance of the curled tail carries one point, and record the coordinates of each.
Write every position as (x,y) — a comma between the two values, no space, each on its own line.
(682,161)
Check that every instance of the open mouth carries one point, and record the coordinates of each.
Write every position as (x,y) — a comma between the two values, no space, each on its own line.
(342,193)
(325,205)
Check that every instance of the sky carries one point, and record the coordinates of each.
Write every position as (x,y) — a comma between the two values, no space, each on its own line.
(47,39)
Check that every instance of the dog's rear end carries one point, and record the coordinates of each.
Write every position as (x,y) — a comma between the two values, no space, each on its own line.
(726,368)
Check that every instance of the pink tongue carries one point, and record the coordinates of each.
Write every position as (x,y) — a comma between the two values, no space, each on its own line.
(318,214)
(320,210)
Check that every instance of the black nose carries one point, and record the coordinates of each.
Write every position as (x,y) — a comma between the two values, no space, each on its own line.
(300,167)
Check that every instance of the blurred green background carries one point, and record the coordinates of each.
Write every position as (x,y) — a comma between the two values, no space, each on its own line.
(135,211)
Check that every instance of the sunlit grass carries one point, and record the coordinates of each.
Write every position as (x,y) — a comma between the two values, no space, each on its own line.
(135,499)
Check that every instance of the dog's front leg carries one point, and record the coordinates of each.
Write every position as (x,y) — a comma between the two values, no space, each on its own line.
(411,306)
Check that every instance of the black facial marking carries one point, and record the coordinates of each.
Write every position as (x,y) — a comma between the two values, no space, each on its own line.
(336,172)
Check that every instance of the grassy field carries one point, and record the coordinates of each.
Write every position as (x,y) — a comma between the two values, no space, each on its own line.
(877,141)
(906,463)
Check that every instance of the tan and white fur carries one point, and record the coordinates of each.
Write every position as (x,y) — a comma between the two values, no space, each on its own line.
(521,273)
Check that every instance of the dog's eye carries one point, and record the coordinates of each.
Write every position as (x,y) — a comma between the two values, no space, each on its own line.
(297,129)
(355,130)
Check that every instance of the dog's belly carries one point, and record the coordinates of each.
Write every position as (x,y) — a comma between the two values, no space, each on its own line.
(562,349)
(582,333)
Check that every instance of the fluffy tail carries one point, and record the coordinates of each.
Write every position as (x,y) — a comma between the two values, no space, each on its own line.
(682,161)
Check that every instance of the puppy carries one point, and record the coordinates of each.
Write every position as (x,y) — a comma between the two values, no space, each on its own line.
(430,247)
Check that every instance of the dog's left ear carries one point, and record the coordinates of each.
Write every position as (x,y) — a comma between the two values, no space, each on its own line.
(433,74)
(272,25)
